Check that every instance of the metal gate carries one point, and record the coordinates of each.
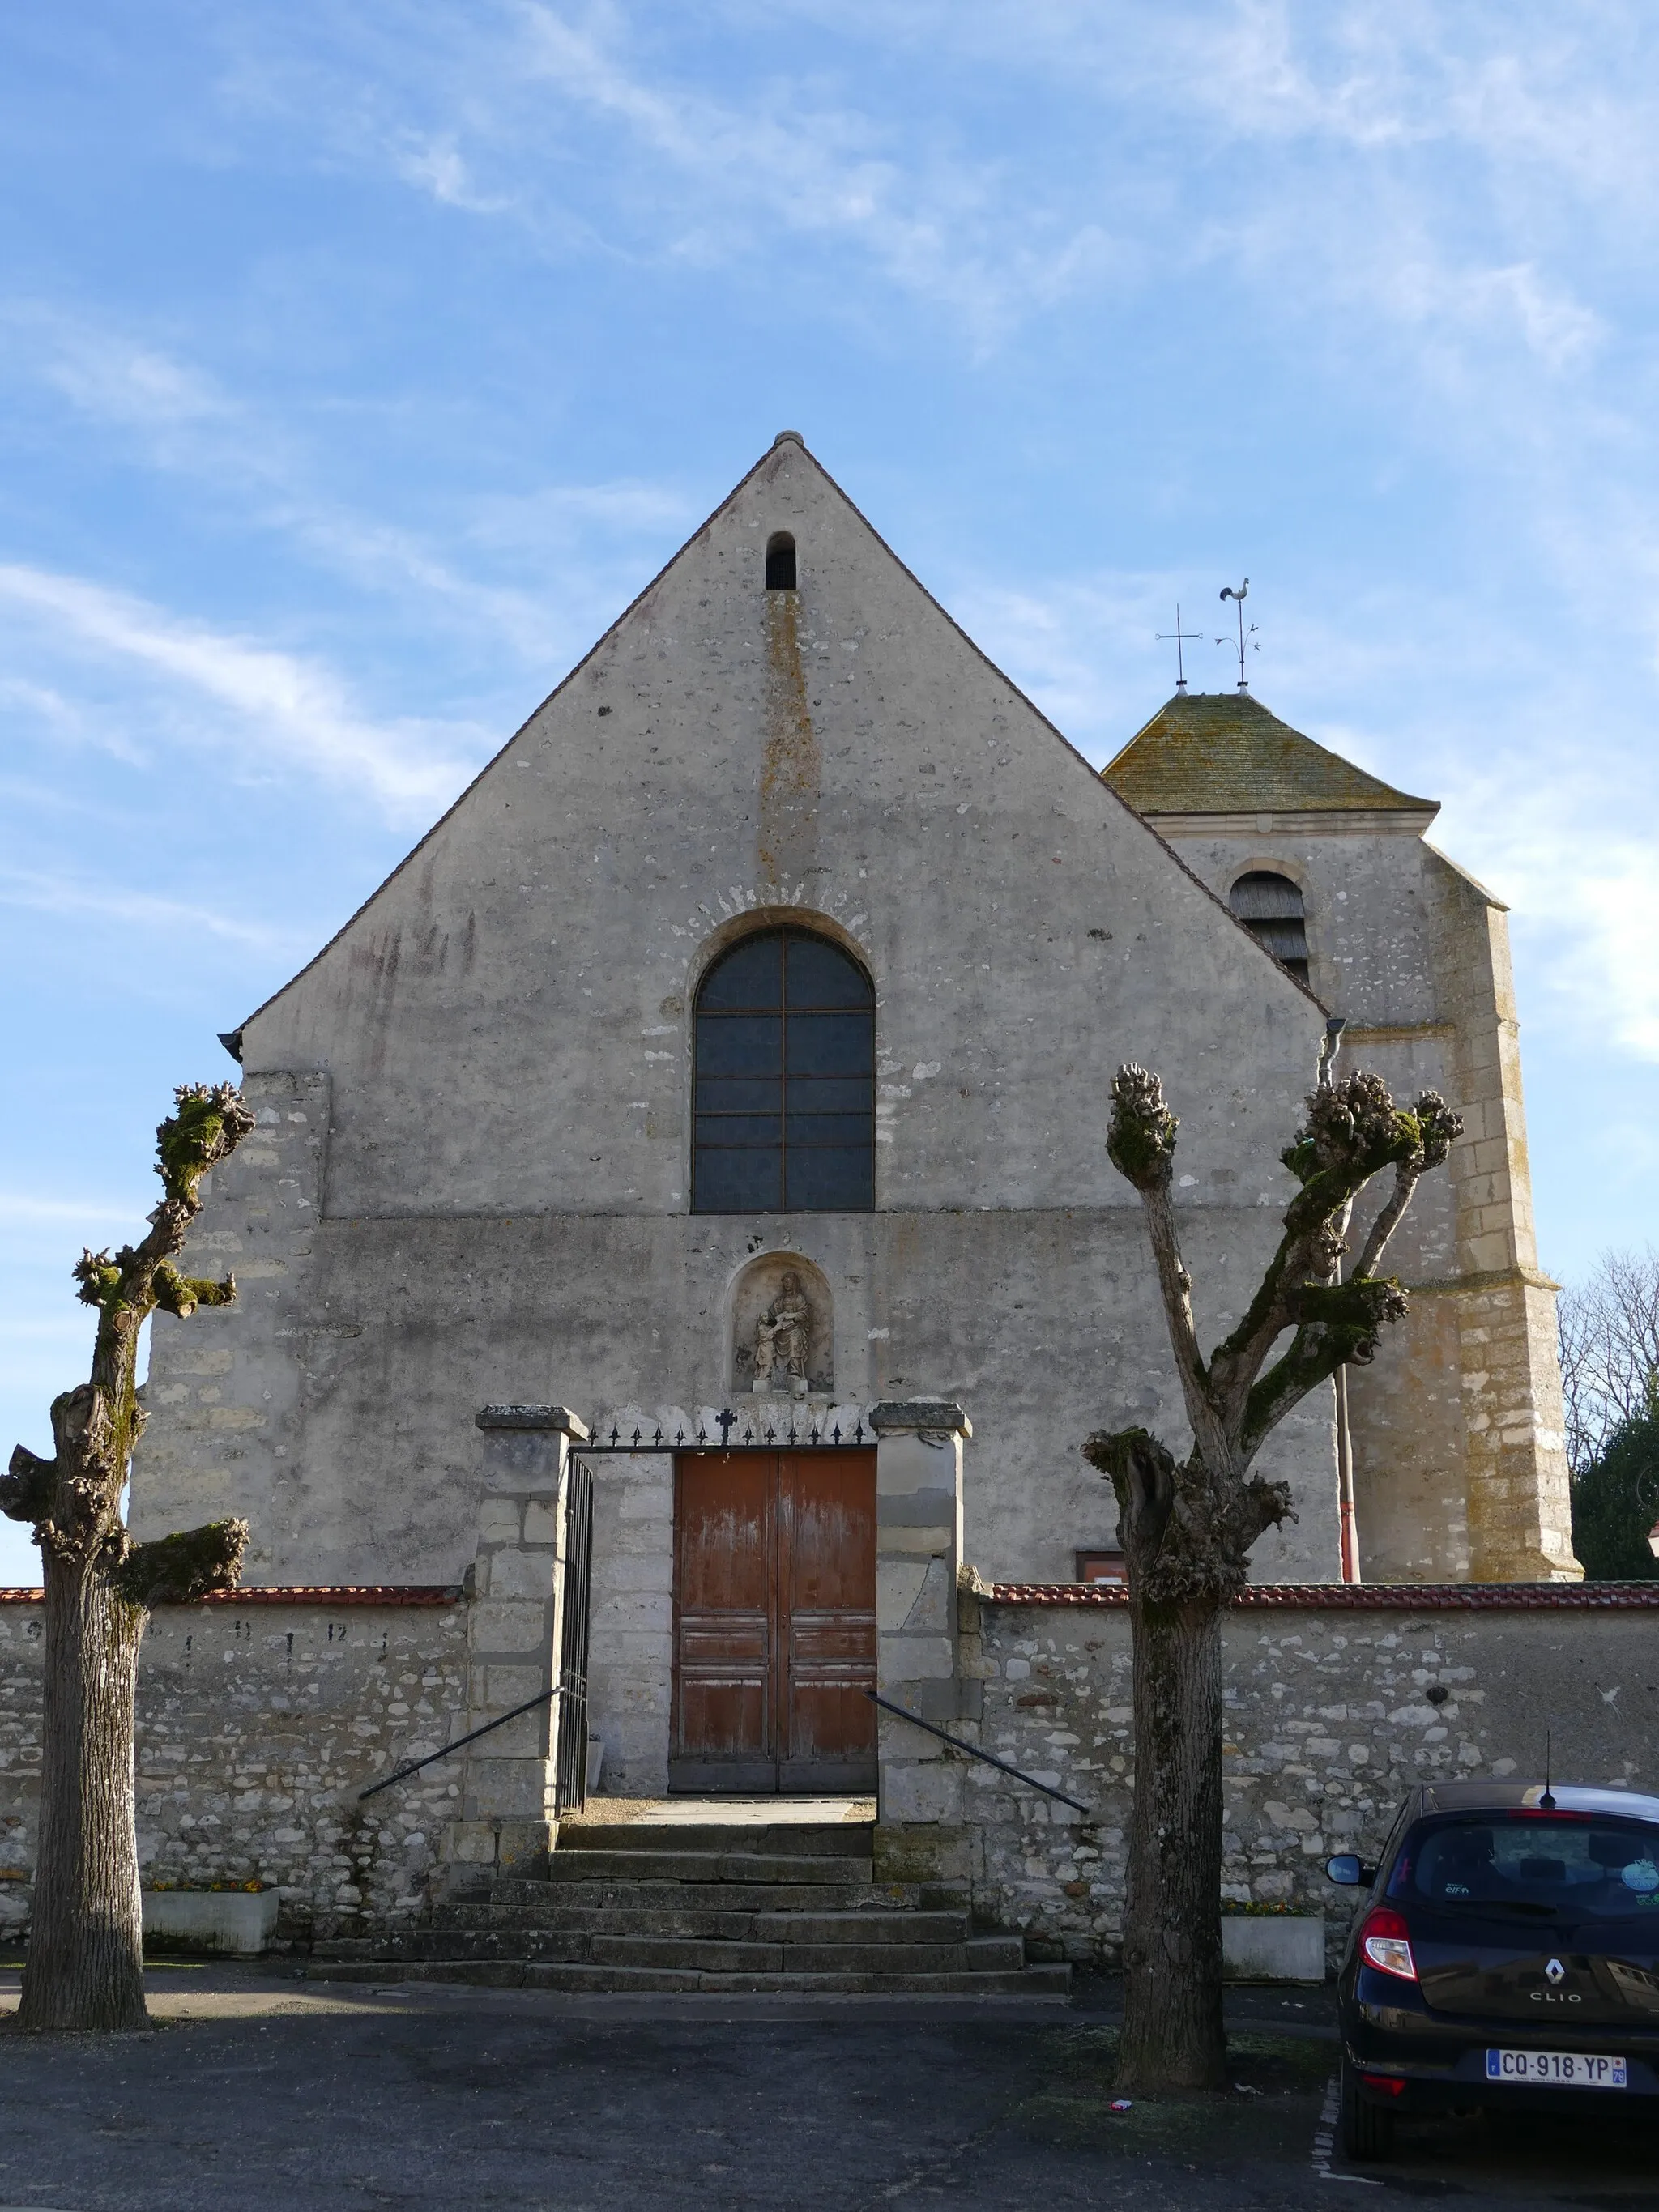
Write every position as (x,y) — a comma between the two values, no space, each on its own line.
(570,1777)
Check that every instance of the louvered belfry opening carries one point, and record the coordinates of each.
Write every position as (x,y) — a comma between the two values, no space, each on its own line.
(1270,906)
(784,1091)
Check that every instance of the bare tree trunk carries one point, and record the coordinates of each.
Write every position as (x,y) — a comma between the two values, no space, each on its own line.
(1172,2031)
(86,1948)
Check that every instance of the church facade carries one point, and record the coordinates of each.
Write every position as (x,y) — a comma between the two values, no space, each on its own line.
(723,1079)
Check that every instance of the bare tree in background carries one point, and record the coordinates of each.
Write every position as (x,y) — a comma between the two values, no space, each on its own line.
(1609,1336)
(1188,1527)
(85,1966)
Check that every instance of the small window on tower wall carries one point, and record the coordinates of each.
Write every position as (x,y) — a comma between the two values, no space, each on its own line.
(1270,906)
(781,561)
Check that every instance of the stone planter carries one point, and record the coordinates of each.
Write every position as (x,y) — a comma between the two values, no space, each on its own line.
(239,1921)
(1277,1947)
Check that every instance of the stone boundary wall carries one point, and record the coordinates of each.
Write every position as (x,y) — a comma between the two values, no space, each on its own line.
(1338,1698)
(261,1714)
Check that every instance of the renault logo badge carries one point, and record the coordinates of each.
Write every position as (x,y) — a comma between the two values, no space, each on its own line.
(1555,1971)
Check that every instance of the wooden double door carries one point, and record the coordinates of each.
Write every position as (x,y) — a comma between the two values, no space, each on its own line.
(774,1621)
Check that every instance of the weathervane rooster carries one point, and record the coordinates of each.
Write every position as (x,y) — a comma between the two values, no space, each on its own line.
(1239,598)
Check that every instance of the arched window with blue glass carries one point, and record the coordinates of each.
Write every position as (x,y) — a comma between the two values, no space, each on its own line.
(784,1080)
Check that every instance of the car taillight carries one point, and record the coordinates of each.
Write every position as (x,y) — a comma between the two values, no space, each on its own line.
(1385,1943)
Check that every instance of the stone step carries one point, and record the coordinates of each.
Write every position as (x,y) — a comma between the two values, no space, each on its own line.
(1052,1982)
(651,1897)
(566,1866)
(642,1948)
(656,1946)
(777,1957)
(996,1955)
(892,1925)
(848,1839)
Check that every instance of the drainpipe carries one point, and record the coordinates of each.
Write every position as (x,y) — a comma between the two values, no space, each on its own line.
(1347,1527)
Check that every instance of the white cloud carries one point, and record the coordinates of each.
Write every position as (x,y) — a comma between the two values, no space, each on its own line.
(289,713)
(43,893)
(579,541)
(436,165)
(1453,302)
(1583,885)
(706,178)
(106,373)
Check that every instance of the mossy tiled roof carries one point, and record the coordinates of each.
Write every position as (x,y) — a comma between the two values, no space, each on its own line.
(1223,752)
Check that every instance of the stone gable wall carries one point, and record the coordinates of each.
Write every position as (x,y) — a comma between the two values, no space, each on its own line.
(1333,1711)
(469,1184)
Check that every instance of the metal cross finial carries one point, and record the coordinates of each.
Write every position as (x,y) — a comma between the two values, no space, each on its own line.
(1175,637)
(1244,636)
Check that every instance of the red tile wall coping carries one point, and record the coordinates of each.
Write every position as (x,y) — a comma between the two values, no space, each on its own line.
(325,1593)
(1371,1597)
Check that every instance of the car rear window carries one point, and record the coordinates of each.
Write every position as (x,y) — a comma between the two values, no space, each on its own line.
(1570,1866)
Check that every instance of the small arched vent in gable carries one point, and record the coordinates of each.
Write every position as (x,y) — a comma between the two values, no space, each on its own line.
(780,561)
(1270,906)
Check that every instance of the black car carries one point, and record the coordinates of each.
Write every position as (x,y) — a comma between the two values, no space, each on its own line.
(1508,1956)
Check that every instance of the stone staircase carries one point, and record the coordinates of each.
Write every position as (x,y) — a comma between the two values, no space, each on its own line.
(722,1909)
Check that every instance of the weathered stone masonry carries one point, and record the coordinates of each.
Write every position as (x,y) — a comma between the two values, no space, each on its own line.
(260,1717)
(1338,1699)
(264,1714)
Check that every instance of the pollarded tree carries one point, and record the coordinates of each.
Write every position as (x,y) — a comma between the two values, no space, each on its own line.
(85,1966)
(1187,1526)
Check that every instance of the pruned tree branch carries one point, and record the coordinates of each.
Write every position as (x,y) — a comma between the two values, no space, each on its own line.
(1140,1144)
(1436,1128)
(1213,1512)
(177,1570)
(181,1294)
(1353,1131)
(1142,1472)
(26,1487)
(74,1499)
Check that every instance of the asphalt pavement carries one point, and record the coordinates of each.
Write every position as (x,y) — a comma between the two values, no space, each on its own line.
(256,2091)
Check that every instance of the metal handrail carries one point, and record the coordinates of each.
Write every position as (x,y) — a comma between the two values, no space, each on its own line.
(542,1698)
(974,1752)
(546,1696)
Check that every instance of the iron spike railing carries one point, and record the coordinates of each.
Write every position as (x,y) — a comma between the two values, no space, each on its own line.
(749,1437)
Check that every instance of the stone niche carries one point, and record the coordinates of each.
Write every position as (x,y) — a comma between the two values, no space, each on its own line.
(781,1303)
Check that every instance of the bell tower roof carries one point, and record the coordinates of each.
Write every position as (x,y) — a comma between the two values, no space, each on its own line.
(1224,752)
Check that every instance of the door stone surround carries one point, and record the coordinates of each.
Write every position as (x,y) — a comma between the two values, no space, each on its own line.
(515,1588)
(919,1479)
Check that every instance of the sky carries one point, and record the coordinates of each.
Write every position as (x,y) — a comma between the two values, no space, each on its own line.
(359,365)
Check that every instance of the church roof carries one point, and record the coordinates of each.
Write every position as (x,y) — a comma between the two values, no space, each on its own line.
(1224,752)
